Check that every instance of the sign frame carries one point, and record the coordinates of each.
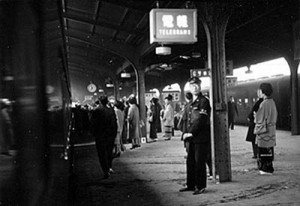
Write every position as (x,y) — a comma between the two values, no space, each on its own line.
(161,33)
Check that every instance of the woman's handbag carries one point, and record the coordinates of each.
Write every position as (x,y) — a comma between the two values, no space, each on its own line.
(151,118)
(260,128)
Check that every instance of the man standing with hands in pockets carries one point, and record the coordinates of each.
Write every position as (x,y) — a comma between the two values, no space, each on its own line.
(198,131)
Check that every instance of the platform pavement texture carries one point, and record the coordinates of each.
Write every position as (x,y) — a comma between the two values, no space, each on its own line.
(153,174)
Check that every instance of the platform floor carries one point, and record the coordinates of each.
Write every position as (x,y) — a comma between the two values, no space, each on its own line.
(153,174)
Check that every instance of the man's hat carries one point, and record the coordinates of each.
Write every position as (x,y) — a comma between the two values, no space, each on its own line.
(194,80)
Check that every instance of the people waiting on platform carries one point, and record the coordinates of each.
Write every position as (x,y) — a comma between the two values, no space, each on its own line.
(265,129)
(158,124)
(154,118)
(251,137)
(232,110)
(168,117)
(198,131)
(104,128)
(119,147)
(133,119)
(125,133)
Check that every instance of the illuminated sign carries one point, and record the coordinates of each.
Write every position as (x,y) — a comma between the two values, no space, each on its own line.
(175,95)
(200,72)
(173,26)
(231,81)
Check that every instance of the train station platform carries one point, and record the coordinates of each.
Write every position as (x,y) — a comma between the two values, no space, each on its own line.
(153,174)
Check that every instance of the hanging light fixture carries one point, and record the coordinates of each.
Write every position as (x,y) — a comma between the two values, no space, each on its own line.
(163,50)
(109,83)
(100,90)
(125,74)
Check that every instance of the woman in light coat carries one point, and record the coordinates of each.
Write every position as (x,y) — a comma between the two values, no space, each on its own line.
(119,110)
(134,122)
(168,117)
(266,141)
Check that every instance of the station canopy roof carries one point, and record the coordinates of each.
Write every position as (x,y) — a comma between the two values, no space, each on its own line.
(94,31)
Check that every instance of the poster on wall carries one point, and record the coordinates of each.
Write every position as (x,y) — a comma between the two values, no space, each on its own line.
(175,94)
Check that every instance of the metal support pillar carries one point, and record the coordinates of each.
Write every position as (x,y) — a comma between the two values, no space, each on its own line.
(215,17)
(295,124)
(141,95)
(116,89)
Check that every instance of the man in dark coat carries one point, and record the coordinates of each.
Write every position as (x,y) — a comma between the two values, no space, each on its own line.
(232,110)
(198,131)
(104,128)
(154,118)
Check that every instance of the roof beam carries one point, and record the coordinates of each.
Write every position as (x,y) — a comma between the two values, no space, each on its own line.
(127,5)
(126,51)
(102,24)
(94,67)
(96,15)
(121,23)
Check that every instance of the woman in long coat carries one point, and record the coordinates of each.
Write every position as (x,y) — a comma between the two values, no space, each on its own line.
(168,118)
(266,141)
(119,107)
(153,118)
(134,122)
(251,137)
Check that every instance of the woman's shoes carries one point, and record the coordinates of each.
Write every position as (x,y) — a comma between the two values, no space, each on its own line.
(118,154)
(111,171)
(265,173)
(186,189)
(198,191)
(134,146)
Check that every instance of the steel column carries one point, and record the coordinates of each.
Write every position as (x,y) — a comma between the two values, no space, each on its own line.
(215,17)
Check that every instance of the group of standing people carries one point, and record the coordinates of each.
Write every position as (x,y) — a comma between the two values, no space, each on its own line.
(158,115)
(108,125)
(109,121)
(195,127)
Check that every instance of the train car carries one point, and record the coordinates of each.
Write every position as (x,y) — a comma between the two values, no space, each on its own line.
(245,96)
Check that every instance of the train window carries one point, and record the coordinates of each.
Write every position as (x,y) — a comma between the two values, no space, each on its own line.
(246,100)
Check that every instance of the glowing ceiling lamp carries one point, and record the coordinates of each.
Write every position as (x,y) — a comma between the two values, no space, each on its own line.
(125,75)
(109,85)
(163,50)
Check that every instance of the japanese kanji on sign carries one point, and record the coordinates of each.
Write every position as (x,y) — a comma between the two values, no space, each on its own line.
(173,26)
